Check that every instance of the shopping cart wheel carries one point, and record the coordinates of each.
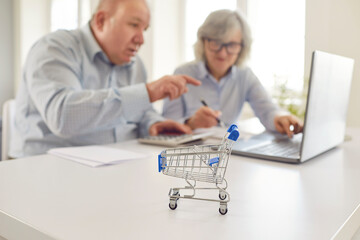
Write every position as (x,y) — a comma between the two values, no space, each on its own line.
(172,205)
(223,211)
(222,195)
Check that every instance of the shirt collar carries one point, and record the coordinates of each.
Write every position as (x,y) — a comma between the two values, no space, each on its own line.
(203,72)
(90,43)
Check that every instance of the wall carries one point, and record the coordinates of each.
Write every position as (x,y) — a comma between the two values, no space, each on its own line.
(334,26)
(146,51)
(167,36)
(160,53)
(6,50)
(32,21)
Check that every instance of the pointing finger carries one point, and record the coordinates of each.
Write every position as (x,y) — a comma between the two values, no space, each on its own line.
(191,80)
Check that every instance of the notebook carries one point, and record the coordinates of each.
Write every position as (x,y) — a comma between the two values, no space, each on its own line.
(325,116)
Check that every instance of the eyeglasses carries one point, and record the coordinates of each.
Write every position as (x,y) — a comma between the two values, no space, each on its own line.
(231,47)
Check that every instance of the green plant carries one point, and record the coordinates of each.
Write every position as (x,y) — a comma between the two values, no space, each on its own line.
(290,100)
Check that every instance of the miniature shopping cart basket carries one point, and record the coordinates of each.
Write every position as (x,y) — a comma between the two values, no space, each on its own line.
(204,163)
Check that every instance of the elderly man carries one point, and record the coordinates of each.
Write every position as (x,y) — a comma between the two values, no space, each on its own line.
(87,86)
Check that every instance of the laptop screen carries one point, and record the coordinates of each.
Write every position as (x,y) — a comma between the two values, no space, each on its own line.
(326,109)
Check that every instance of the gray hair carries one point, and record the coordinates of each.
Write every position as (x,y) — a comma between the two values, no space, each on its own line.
(219,25)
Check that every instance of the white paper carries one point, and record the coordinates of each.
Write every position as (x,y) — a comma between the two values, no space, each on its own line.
(96,156)
(217,132)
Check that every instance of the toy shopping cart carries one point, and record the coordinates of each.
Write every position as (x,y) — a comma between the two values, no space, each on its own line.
(204,163)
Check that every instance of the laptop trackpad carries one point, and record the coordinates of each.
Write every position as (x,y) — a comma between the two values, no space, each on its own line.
(258,140)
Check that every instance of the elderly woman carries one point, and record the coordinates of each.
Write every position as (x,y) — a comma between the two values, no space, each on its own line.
(222,47)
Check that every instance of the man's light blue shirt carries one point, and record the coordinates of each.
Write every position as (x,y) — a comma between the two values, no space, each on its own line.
(240,85)
(72,95)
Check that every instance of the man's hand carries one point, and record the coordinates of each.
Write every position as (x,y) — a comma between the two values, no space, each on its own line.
(172,86)
(169,126)
(204,117)
(288,124)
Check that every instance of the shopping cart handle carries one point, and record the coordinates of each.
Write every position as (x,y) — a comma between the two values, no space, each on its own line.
(234,135)
(231,128)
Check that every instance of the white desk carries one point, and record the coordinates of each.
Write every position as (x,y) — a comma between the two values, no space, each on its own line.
(45,197)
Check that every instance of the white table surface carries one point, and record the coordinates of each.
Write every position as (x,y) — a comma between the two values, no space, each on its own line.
(46,197)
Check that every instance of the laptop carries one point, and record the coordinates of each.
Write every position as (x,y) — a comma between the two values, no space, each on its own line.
(325,116)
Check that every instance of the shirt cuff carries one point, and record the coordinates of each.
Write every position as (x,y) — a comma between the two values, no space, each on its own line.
(144,131)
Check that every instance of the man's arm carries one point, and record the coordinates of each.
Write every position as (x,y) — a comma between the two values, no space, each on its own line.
(54,80)
(172,86)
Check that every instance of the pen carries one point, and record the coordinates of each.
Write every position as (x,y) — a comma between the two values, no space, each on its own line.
(221,123)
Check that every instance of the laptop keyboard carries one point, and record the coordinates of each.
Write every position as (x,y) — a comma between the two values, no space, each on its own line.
(278,148)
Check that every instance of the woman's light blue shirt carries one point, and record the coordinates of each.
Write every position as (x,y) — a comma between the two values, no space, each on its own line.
(228,95)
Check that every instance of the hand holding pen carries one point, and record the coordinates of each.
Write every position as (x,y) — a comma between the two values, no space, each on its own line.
(204,117)
(221,123)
